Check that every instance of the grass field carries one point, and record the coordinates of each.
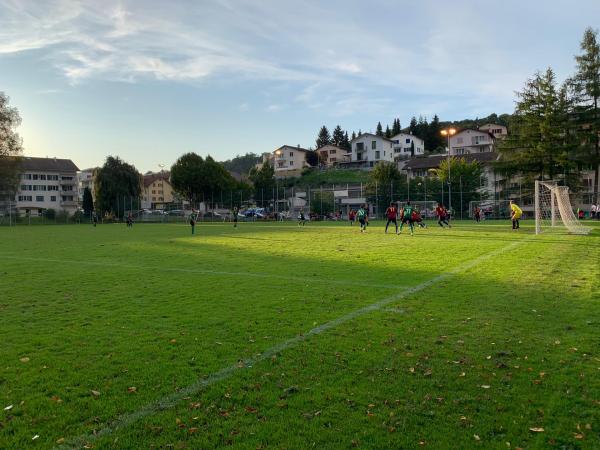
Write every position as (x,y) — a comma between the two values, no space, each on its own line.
(277,336)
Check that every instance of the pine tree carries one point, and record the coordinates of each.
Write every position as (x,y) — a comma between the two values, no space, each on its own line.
(346,142)
(324,138)
(379,131)
(353,135)
(434,143)
(359,132)
(88,202)
(539,144)
(388,132)
(396,127)
(338,136)
(412,128)
(585,85)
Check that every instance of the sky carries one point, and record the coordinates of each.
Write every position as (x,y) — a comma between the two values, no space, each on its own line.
(150,80)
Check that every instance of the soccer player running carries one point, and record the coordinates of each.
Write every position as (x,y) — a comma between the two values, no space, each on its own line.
(407,217)
(391,213)
(301,219)
(515,214)
(363,218)
(477,214)
(442,213)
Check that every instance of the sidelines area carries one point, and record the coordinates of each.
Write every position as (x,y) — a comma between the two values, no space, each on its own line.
(207,272)
(170,401)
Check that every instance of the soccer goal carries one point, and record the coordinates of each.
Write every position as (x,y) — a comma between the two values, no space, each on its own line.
(426,208)
(553,209)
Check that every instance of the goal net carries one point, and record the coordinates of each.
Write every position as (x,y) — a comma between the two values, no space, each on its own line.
(426,208)
(553,210)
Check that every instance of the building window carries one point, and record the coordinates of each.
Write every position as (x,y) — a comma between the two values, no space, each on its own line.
(332,160)
(39,198)
(459,140)
(377,153)
(373,145)
(153,191)
(42,177)
(460,151)
(66,178)
(52,188)
(53,198)
(291,154)
(360,146)
(332,152)
(280,164)
(35,176)
(407,141)
(26,176)
(291,163)
(25,198)
(396,141)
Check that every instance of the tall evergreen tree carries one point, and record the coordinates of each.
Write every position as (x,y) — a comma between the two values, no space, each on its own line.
(539,144)
(353,135)
(338,136)
(412,128)
(324,138)
(585,85)
(379,131)
(346,142)
(388,132)
(88,202)
(359,132)
(422,128)
(433,142)
(396,129)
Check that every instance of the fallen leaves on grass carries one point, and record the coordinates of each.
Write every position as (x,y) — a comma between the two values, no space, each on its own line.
(60,441)
(95,393)
(56,399)
(251,410)
(8,408)
(485,386)
(132,389)
(24,359)
(537,429)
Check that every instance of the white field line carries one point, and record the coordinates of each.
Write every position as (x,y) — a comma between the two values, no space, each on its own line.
(124,420)
(210,272)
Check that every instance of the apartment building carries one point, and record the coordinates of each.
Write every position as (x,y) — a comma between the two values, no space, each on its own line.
(157,191)
(47,183)
(469,141)
(499,131)
(330,155)
(406,146)
(288,158)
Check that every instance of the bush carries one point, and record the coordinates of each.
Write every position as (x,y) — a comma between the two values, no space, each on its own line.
(78,216)
(50,214)
(62,216)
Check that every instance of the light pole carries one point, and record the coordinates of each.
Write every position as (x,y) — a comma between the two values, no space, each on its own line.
(449,132)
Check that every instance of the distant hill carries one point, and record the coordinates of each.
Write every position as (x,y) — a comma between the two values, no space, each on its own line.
(242,164)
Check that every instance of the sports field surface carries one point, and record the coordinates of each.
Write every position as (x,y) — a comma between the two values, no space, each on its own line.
(279,336)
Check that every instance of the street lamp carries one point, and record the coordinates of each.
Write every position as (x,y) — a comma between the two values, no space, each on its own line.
(449,132)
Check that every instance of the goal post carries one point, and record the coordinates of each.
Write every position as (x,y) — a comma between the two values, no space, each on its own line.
(553,209)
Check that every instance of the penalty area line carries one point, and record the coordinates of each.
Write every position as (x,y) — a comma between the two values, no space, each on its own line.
(124,420)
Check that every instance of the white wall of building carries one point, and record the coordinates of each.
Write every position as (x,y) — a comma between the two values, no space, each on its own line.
(471,141)
(401,145)
(371,149)
(289,158)
(41,190)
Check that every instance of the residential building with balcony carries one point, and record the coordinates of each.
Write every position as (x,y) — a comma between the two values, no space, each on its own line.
(469,141)
(289,160)
(369,149)
(330,155)
(85,179)
(407,146)
(499,131)
(47,183)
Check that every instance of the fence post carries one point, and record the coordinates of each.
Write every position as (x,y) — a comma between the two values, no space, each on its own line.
(461,198)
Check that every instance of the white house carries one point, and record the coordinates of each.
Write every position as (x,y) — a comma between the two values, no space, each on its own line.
(288,158)
(85,179)
(331,155)
(369,149)
(407,146)
(47,183)
(499,131)
(469,141)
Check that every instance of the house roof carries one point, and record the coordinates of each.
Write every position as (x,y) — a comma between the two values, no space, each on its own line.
(412,136)
(152,177)
(48,164)
(329,147)
(473,129)
(370,134)
(431,162)
(291,147)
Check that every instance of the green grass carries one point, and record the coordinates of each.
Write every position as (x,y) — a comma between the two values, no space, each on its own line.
(475,358)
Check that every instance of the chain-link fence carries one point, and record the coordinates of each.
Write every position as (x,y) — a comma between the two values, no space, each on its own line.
(331,202)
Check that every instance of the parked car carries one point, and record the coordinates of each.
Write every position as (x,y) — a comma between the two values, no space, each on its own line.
(176,212)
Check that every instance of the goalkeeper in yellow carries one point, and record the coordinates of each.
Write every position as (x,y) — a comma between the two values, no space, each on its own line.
(515,214)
